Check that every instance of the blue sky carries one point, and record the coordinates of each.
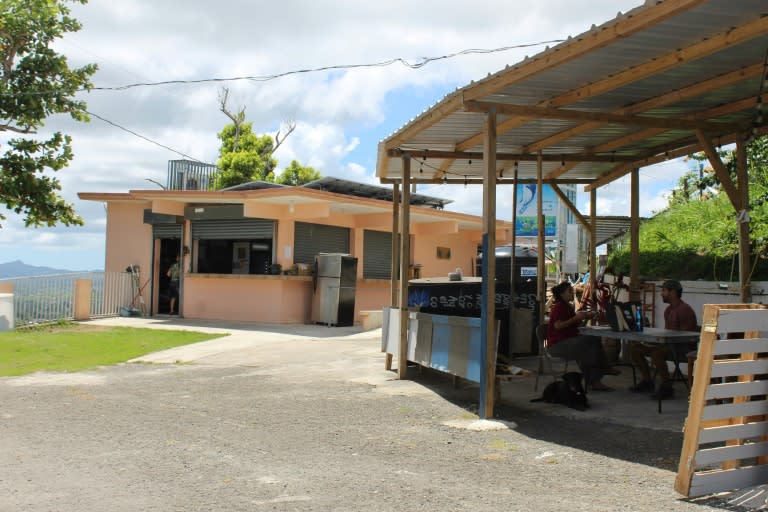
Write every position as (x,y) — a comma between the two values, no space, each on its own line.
(341,115)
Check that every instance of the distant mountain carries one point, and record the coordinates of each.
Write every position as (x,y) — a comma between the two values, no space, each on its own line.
(20,269)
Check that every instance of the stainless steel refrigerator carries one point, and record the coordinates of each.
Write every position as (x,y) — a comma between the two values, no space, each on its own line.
(333,300)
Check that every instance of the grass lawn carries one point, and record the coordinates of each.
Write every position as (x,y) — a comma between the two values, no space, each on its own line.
(74,347)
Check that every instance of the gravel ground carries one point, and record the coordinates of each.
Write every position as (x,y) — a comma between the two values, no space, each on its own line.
(296,422)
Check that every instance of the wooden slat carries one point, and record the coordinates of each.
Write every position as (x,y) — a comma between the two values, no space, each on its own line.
(712,412)
(726,432)
(717,481)
(733,389)
(719,454)
(734,368)
(725,347)
(742,320)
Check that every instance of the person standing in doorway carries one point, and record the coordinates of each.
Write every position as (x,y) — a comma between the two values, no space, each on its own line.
(173,287)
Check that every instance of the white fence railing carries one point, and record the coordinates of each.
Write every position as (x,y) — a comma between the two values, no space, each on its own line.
(50,298)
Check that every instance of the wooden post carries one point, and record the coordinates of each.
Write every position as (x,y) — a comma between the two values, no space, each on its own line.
(541,283)
(634,238)
(512,301)
(405,251)
(593,239)
(488,308)
(395,263)
(745,266)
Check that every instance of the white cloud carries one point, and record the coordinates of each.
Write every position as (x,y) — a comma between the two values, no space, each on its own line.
(340,114)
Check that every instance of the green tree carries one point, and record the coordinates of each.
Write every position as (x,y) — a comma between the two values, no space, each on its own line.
(296,174)
(244,158)
(696,236)
(36,82)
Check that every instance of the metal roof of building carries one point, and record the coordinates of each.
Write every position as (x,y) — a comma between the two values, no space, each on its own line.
(641,88)
(350,188)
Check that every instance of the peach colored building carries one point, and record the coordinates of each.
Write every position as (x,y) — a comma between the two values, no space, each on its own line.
(247,255)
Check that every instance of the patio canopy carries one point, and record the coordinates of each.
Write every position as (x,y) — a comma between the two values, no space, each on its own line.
(661,81)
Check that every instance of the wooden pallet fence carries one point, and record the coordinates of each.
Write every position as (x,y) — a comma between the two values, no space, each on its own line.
(725,446)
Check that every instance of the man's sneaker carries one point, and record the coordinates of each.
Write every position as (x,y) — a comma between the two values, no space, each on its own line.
(644,386)
(665,392)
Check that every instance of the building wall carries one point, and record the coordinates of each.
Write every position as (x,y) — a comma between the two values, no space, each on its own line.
(463,251)
(128,239)
(247,298)
(272,299)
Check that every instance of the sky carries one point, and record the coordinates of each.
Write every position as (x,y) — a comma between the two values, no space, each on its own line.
(341,114)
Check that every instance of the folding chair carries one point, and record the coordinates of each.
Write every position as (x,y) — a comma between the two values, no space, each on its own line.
(544,356)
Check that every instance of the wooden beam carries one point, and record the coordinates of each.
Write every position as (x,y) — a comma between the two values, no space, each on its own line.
(720,170)
(703,48)
(488,307)
(541,284)
(575,211)
(745,267)
(552,176)
(427,119)
(600,117)
(593,240)
(395,264)
(419,154)
(503,180)
(634,237)
(676,96)
(394,268)
(623,169)
(689,149)
(405,253)
(592,40)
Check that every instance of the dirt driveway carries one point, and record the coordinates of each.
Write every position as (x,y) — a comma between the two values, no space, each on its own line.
(305,418)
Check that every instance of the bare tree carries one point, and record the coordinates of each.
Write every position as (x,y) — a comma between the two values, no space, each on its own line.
(289,125)
(237,119)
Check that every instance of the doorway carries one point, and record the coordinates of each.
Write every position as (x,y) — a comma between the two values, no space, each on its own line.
(170,248)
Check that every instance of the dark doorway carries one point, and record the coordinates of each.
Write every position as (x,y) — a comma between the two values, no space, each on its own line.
(170,248)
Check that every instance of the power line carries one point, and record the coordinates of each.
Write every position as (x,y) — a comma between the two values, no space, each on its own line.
(266,78)
(415,65)
(399,60)
(142,137)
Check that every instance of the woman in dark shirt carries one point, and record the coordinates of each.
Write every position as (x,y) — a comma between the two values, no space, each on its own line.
(564,340)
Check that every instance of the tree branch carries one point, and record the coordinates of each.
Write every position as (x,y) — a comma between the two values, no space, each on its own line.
(290,124)
(237,119)
(9,128)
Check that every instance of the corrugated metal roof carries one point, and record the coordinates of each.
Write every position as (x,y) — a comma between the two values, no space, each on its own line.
(675,61)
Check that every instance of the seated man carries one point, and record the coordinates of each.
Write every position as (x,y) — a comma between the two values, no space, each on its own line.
(678,316)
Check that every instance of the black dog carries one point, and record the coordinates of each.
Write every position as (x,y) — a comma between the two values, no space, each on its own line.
(568,391)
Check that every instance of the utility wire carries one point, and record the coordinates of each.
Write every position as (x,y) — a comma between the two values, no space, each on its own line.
(142,137)
(417,65)
(265,78)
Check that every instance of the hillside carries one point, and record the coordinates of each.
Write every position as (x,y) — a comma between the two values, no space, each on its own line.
(20,269)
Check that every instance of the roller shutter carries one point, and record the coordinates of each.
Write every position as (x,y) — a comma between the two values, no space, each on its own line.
(233,229)
(310,239)
(166,231)
(377,255)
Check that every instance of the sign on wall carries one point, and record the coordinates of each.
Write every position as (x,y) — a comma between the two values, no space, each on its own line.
(526,224)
